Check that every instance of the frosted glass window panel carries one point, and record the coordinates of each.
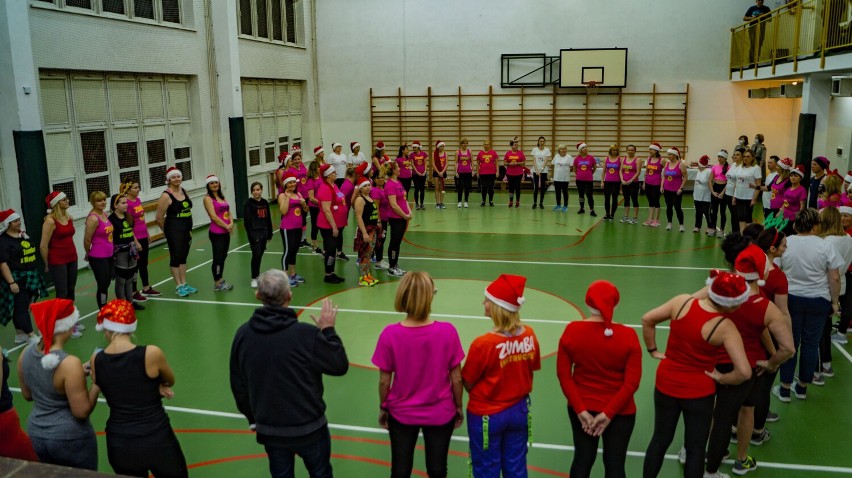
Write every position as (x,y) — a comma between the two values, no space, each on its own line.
(59,148)
(178,99)
(123,100)
(89,100)
(54,101)
(152,99)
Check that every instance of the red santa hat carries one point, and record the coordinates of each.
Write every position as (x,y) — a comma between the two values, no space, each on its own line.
(335,146)
(354,145)
(722,154)
(295,149)
(439,143)
(673,151)
(53,316)
(845,210)
(288,178)
(655,147)
(318,150)
(53,199)
(786,164)
(362,181)
(415,144)
(327,170)
(601,298)
(799,169)
(7,217)
(212,178)
(507,291)
(172,172)
(117,316)
(380,145)
(282,156)
(752,264)
(363,168)
(704,160)
(581,145)
(727,289)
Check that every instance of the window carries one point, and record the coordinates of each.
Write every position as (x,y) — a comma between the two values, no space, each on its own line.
(143,8)
(273,112)
(114,6)
(105,129)
(79,3)
(160,11)
(274,20)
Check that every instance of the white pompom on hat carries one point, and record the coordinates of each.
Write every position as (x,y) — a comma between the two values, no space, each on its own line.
(601,298)
(507,291)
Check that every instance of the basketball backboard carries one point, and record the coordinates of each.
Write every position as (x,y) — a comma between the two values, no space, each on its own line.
(607,67)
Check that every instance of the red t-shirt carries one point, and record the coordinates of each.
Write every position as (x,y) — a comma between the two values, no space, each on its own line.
(776,284)
(599,373)
(750,319)
(500,369)
(516,157)
(487,161)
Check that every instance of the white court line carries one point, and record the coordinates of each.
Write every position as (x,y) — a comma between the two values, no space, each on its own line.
(842,351)
(535,263)
(375,312)
(543,446)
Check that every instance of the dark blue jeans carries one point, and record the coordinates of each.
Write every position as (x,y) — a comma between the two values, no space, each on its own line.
(808,314)
(316,456)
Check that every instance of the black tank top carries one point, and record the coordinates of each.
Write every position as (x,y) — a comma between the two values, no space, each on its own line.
(179,213)
(370,214)
(135,406)
(5,393)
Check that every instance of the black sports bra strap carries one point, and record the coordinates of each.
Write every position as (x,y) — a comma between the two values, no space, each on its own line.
(682,306)
(713,330)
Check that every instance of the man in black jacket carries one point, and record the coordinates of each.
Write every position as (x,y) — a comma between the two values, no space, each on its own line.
(277,365)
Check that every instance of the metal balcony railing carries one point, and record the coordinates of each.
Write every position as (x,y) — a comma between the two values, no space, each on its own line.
(796,31)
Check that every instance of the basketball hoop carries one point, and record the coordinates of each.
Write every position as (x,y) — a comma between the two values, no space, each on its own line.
(591,87)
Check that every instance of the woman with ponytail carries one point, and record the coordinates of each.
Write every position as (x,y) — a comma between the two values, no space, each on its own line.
(599,365)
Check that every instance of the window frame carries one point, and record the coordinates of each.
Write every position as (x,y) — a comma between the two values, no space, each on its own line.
(97,9)
(270,27)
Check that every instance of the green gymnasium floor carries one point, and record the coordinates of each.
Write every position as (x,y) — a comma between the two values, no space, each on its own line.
(463,250)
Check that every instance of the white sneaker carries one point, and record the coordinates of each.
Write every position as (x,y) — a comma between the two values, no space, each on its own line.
(465,204)
(382,265)
(839,338)
(396,272)
(460,206)
(254,283)
(681,456)
(669,227)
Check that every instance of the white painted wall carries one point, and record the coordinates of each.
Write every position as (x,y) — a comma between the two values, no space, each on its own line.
(385,44)
(840,133)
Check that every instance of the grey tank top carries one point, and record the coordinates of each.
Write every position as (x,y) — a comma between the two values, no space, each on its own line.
(51,414)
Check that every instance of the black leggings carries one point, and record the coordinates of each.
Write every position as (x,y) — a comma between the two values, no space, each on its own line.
(631,194)
(539,187)
(64,279)
(585,190)
(652,192)
(486,185)
(515,187)
(745,212)
(729,399)
(673,201)
(330,244)
(846,306)
(729,203)
(697,415)
(257,242)
(315,212)
(419,189)
(561,188)
(717,207)
(463,186)
(406,183)
(166,461)
(611,197)
(379,248)
(702,210)
(142,263)
(103,270)
(403,439)
(616,437)
(290,238)
(220,244)
(763,390)
(397,231)
(178,238)
(21,310)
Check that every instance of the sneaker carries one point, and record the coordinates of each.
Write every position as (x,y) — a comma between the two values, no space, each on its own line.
(592,213)
(193,290)
(827,371)
(800,392)
(490,204)
(305,243)
(224,286)
(564,208)
(459,206)
(298,278)
(364,282)
(818,380)
(681,456)
(720,234)
(710,232)
(396,272)
(718,474)
(535,206)
(839,338)
(438,206)
(181,291)
(254,283)
(694,229)
(782,393)
(581,211)
(79,326)
(635,220)
(293,283)
(744,466)
(648,222)
(341,256)
(138,297)
(557,208)
(758,439)
(772,417)
(21,338)
(518,204)
(77,333)
(511,203)
(733,435)
(681,228)
(137,307)
(382,265)
(625,219)
(669,226)
(540,206)
(333,279)
(372,279)
(319,251)
(151,292)
(482,204)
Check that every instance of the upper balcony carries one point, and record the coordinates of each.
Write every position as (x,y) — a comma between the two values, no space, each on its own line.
(800,37)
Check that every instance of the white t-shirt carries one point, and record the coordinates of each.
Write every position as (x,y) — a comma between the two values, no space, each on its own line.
(701,187)
(338,161)
(746,175)
(541,156)
(767,195)
(562,167)
(355,160)
(806,263)
(731,175)
(843,248)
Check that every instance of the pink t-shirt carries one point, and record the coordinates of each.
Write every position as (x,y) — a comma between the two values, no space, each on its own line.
(629,170)
(313,184)
(394,188)
(674,176)
(463,162)
(418,161)
(102,246)
(293,218)
(487,161)
(404,167)
(518,158)
(302,179)
(137,212)
(346,188)
(379,197)
(420,359)
(584,168)
(793,202)
(223,212)
(611,167)
(653,171)
(777,188)
(719,174)
(330,193)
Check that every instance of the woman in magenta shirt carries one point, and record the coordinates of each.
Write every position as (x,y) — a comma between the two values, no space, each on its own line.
(398,214)
(794,198)
(653,179)
(420,384)
(418,159)
(719,181)
(97,243)
(611,182)
(404,163)
(514,161)
(630,184)
(293,207)
(486,161)
(584,174)
(140,230)
(221,227)
(464,172)
(672,188)
(439,172)
(333,217)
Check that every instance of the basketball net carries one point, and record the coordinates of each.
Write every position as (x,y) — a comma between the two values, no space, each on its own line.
(591,87)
